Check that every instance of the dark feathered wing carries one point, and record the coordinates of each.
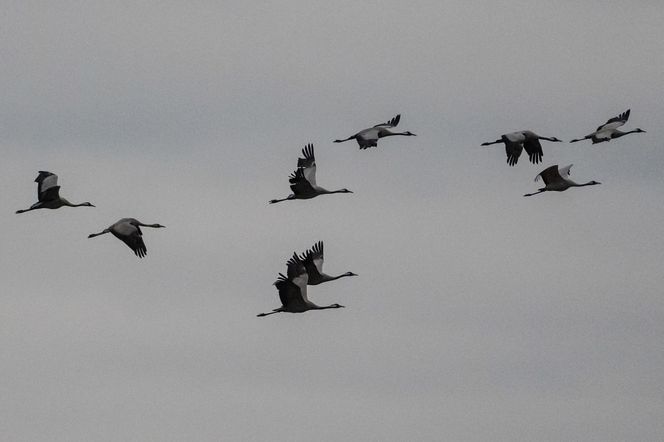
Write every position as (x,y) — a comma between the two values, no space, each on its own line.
(513,151)
(550,175)
(392,123)
(299,183)
(622,119)
(308,164)
(137,245)
(313,262)
(133,239)
(534,149)
(290,293)
(47,186)
(309,158)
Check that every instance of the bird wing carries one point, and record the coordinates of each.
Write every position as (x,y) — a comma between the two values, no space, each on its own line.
(308,163)
(131,235)
(313,261)
(316,253)
(47,186)
(534,149)
(392,123)
(615,122)
(293,266)
(564,171)
(513,151)
(290,293)
(299,183)
(298,277)
(550,175)
(301,282)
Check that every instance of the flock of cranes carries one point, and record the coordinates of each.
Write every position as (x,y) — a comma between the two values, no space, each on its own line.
(555,178)
(126,230)
(307,268)
(302,271)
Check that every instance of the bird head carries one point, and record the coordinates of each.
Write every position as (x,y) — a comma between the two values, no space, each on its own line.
(157,225)
(594,182)
(87,204)
(346,191)
(350,274)
(556,139)
(410,134)
(638,129)
(337,306)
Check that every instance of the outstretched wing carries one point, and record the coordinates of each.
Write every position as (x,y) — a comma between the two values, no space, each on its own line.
(392,123)
(550,175)
(316,253)
(564,171)
(513,151)
(308,163)
(47,186)
(293,288)
(132,236)
(299,183)
(615,122)
(534,149)
(294,266)
(289,293)
(313,261)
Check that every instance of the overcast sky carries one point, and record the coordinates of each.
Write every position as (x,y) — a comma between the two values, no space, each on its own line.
(478,314)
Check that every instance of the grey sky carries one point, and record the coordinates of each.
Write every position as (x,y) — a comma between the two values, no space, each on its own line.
(478,314)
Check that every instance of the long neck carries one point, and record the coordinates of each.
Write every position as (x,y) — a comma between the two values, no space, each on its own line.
(618,134)
(389,134)
(332,278)
(347,139)
(149,225)
(589,183)
(324,307)
(547,138)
